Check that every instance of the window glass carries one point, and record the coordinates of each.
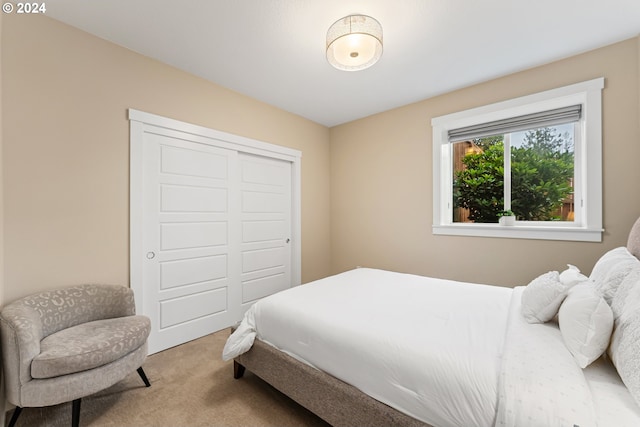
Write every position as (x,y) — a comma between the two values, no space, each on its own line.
(478,179)
(536,183)
(542,174)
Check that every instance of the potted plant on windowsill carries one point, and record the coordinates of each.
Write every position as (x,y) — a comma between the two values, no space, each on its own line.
(506,217)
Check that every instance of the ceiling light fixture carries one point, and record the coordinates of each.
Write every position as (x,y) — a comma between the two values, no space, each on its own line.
(354,42)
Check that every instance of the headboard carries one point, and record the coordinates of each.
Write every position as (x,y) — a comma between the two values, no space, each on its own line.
(633,244)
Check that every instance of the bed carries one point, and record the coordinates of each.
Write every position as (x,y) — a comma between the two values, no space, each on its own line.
(379,348)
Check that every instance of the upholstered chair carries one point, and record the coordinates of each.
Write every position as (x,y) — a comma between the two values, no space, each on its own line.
(65,344)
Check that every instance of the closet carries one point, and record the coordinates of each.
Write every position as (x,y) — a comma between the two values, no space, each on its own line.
(214,225)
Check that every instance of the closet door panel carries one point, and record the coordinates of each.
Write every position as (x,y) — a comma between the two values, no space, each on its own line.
(191,272)
(265,213)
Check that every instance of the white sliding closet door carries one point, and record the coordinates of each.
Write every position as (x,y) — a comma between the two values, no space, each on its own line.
(266,226)
(215,226)
(191,240)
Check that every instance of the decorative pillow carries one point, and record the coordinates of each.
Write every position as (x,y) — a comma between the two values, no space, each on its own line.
(542,297)
(586,322)
(624,350)
(628,293)
(610,271)
(572,276)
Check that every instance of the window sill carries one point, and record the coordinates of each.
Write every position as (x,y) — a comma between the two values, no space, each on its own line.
(577,234)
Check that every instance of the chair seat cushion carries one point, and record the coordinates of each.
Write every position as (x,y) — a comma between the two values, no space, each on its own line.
(89,345)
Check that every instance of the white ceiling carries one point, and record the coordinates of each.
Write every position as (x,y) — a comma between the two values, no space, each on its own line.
(274,50)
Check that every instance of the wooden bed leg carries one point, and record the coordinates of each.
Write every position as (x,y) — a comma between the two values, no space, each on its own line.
(238,370)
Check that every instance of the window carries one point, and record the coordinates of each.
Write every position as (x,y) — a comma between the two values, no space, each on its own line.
(538,157)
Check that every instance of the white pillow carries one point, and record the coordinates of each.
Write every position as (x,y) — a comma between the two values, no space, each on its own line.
(627,295)
(543,296)
(624,350)
(586,322)
(610,271)
(572,276)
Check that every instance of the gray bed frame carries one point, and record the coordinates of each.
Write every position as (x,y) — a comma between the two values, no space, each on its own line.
(335,401)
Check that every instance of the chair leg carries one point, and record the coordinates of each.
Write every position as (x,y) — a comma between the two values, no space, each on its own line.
(144,377)
(75,407)
(75,413)
(14,417)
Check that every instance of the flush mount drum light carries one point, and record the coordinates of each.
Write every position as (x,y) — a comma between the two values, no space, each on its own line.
(354,42)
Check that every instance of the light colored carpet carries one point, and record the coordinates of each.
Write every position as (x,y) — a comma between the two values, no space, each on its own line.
(190,386)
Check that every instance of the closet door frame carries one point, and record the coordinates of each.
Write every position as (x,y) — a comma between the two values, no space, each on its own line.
(140,123)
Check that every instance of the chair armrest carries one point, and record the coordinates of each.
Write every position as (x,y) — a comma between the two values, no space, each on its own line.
(22,330)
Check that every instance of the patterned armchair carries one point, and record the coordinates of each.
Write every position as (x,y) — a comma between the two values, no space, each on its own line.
(62,345)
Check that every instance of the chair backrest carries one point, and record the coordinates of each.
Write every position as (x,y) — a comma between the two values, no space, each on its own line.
(63,308)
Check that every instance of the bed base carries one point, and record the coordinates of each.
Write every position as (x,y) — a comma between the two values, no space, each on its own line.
(335,401)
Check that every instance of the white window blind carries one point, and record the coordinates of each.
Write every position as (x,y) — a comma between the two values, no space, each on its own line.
(536,120)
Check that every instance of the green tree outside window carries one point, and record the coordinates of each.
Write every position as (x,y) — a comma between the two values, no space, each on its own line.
(542,169)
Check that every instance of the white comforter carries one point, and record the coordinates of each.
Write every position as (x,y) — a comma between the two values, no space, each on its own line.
(416,359)
(430,348)
(540,384)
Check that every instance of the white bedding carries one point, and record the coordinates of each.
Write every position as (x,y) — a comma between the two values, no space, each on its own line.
(613,403)
(540,383)
(434,359)
(447,353)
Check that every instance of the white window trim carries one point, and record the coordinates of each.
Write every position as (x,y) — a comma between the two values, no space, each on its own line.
(588,223)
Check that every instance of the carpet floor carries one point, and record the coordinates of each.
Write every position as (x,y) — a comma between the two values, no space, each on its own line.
(190,387)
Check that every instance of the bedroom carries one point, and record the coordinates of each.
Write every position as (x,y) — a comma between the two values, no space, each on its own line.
(65,163)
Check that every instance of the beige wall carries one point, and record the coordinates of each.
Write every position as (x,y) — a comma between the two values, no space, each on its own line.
(2,396)
(381,180)
(66,152)
(366,196)
(1,184)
